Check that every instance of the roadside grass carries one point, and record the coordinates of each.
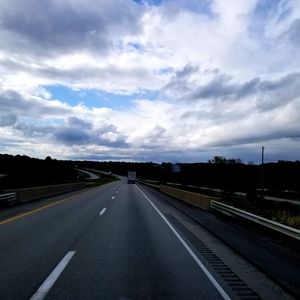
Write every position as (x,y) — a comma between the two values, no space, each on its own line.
(103,179)
(285,217)
(281,212)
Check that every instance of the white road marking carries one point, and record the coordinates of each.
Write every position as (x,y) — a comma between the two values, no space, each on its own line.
(102,211)
(117,192)
(113,197)
(43,290)
(189,250)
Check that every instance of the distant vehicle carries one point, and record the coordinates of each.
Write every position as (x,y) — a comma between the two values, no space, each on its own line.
(131,177)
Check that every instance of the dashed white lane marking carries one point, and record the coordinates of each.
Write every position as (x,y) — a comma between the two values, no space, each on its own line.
(102,211)
(117,192)
(43,290)
(113,197)
(189,250)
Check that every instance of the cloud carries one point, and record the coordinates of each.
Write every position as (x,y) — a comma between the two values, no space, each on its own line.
(187,85)
(7,120)
(13,102)
(66,26)
(74,131)
(294,33)
(72,136)
(33,131)
(227,74)
(81,133)
(78,123)
(79,44)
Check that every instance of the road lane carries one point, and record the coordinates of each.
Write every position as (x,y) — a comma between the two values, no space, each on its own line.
(43,290)
(130,252)
(120,246)
(33,245)
(188,249)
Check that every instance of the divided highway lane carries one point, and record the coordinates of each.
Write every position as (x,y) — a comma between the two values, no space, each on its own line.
(32,244)
(130,252)
(110,242)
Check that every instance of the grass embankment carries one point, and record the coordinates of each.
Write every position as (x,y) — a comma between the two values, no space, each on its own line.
(103,179)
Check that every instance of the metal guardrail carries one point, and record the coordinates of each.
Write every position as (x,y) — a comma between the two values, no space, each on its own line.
(147,183)
(229,210)
(8,197)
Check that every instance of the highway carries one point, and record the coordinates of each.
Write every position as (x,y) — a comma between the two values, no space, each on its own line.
(116,241)
(120,246)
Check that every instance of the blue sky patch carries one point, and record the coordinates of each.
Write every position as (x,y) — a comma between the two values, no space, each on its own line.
(94,98)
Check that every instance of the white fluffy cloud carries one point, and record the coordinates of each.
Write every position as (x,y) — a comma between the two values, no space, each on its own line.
(226,74)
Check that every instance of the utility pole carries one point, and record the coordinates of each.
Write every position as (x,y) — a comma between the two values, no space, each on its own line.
(262,171)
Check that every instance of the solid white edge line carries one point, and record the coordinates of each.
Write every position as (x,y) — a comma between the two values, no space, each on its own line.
(102,211)
(189,250)
(43,290)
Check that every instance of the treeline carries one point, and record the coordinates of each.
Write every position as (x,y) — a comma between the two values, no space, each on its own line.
(23,171)
(221,173)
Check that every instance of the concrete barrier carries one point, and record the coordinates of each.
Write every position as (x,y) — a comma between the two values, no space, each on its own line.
(29,194)
(195,199)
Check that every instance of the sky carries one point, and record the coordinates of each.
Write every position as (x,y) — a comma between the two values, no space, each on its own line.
(156,80)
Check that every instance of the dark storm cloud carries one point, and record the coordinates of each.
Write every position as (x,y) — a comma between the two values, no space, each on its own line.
(49,26)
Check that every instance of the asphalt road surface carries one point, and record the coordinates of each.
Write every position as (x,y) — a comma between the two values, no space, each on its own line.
(109,242)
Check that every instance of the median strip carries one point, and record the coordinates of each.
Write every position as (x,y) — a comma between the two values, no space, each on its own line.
(44,289)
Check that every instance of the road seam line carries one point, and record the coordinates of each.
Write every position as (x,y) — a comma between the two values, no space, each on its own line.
(189,250)
(102,211)
(44,289)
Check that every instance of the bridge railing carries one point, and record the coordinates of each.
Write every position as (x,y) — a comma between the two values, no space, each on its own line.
(9,198)
(233,211)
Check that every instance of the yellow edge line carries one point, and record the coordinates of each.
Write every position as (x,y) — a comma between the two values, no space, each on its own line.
(34,211)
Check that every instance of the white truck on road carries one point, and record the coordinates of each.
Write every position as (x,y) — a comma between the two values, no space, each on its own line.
(131,177)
